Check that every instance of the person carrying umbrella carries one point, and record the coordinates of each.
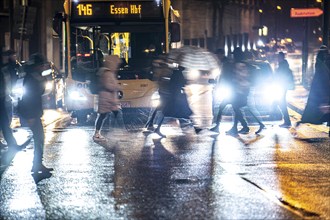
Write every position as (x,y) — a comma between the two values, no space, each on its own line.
(176,103)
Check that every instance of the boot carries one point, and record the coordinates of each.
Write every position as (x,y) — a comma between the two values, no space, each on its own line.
(40,168)
(215,128)
(262,126)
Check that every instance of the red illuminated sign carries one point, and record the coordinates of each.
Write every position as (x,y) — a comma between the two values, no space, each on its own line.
(305,12)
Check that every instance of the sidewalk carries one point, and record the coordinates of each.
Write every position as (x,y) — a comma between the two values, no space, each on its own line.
(51,118)
(297,100)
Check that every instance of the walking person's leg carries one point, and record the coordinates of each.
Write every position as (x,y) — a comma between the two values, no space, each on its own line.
(238,118)
(37,129)
(98,125)
(261,125)
(150,122)
(5,126)
(284,109)
(157,130)
(219,116)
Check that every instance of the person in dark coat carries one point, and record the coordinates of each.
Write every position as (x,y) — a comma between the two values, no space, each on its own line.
(317,109)
(284,77)
(30,108)
(225,81)
(7,81)
(161,74)
(241,85)
(108,92)
(176,104)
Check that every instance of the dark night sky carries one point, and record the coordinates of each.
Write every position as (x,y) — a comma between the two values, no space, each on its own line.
(287,26)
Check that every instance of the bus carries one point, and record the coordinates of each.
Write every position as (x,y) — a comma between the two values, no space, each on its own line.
(138,31)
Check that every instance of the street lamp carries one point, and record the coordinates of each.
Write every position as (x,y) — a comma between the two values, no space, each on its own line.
(278,10)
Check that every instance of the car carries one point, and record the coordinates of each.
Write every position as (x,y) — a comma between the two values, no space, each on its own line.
(263,93)
(53,97)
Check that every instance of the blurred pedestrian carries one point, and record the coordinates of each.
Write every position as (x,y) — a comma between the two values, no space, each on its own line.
(284,78)
(7,81)
(317,109)
(224,86)
(236,77)
(108,92)
(161,74)
(222,58)
(241,89)
(30,108)
(176,103)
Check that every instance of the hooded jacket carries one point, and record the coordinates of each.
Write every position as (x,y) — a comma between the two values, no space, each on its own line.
(109,85)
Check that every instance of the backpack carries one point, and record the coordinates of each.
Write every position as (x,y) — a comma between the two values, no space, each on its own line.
(94,85)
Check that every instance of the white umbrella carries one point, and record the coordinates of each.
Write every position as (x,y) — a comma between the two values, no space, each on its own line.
(192,57)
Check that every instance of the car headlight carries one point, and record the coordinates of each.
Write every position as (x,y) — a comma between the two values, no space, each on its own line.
(49,86)
(222,92)
(193,74)
(18,92)
(46,72)
(274,92)
(215,73)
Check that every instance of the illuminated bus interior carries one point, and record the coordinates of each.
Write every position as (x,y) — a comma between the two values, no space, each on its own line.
(136,49)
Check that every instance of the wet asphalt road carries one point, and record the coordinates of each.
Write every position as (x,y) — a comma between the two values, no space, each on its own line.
(137,175)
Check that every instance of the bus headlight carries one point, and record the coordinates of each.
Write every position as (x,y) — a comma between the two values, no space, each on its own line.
(155,99)
(75,95)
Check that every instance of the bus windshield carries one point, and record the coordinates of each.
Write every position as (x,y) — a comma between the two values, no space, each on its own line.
(132,30)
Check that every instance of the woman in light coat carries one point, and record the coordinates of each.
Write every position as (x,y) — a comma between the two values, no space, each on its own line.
(108,92)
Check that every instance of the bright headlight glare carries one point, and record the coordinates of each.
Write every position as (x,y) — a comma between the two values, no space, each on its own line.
(75,95)
(155,99)
(222,92)
(155,96)
(46,72)
(194,74)
(215,73)
(18,91)
(49,86)
(273,92)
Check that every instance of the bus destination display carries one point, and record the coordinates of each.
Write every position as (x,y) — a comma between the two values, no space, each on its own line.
(104,11)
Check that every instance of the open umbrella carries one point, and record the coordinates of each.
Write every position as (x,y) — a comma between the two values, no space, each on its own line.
(194,58)
(200,66)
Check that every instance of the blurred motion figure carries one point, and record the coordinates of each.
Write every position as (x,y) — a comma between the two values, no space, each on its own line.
(108,87)
(30,108)
(284,78)
(317,109)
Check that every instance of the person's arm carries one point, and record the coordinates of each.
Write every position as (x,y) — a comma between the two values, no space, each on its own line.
(109,81)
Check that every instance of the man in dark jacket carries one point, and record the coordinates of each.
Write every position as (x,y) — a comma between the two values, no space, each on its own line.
(284,77)
(235,75)
(30,108)
(176,103)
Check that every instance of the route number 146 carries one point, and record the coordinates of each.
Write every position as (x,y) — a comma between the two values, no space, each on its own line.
(85,9)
